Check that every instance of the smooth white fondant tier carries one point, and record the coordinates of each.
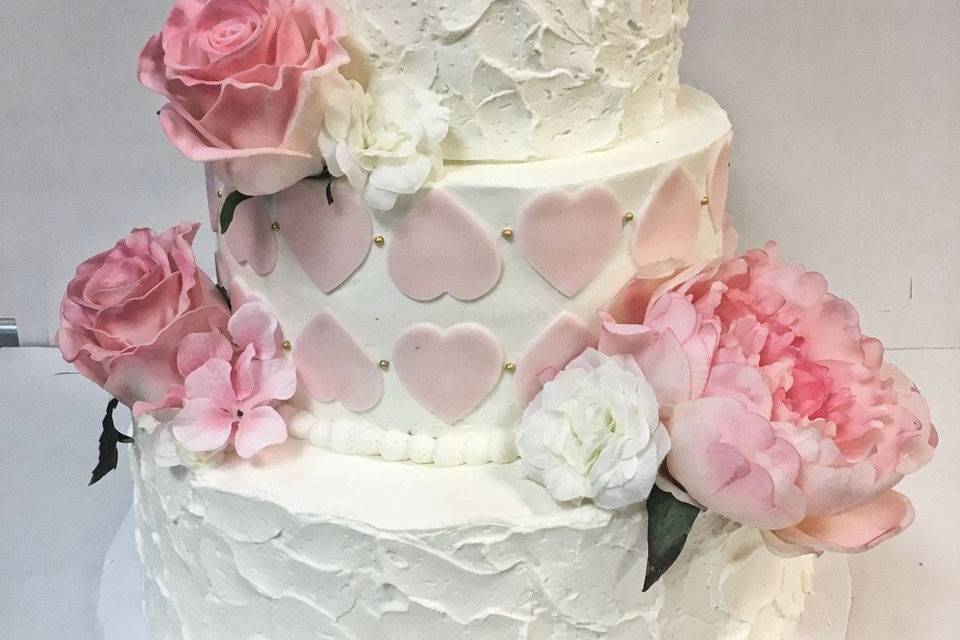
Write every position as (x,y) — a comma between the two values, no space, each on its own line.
(307,544)
(522,305)
(528,78)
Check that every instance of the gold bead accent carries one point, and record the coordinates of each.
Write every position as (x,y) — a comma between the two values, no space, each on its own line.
(275,226)
(384,364)
(507,233)
(705,200)
(510,367)
(379,241)
(628,216)
(286,345)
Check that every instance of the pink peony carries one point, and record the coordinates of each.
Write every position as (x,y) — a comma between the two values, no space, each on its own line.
(798,426)
(231,384)
(134,303)
(242,78)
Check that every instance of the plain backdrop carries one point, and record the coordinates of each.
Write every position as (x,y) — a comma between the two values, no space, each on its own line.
(847,146)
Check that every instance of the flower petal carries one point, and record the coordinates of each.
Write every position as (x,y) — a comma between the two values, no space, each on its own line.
(258,429)
(254,323)
(197,348)
(213,381)
(274,379)
(202,426)
(854,531)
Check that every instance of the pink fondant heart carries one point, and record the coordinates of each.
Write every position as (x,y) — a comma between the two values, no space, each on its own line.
(565,339)
(670,222)
(333,366)
(450,372)
(250,238)
(440,247)
(567,238)
(718,181)
(330,241)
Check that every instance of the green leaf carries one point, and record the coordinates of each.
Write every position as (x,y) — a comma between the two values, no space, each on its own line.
(669,523)
(230,205)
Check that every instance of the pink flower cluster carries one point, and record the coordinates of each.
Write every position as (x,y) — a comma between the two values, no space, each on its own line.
(230,384)
(782,414)
(144,322)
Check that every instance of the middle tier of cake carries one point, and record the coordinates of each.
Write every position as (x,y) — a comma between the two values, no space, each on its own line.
(448,310)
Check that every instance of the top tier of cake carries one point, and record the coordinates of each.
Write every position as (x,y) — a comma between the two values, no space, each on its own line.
(528,79)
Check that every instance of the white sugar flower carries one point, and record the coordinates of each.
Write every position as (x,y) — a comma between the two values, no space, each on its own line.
(594,432)
(386,141)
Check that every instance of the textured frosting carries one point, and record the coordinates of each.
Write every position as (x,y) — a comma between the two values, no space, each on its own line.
(523,303)
(287,548)
(528,78)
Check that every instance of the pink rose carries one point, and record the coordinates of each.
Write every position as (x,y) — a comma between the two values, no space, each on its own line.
(243,81)
(135,303)
(230,385)
(799,427)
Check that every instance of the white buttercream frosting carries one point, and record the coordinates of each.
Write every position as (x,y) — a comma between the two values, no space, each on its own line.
(304,543)
(528,78)
(522,304)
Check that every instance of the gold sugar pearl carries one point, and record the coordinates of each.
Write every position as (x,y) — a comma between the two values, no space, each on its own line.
(286,345)
(705,200)
(220,193)
(384,364)
(507,233)
(275,226)
(628,216)
(510,367)
(379,241)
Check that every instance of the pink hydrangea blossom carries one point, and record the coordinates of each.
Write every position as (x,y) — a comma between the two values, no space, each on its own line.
(229,386)
(782,414)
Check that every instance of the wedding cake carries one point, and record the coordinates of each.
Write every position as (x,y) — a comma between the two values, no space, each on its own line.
(480,359)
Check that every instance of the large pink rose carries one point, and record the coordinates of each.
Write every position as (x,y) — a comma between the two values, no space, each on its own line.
(134,303)
(244,82)
(794,423)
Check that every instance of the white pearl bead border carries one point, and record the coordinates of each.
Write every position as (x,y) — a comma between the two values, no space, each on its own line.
(453,449)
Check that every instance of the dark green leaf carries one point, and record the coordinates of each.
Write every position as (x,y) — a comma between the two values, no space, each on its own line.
(223,294)
(325,175)
(230,205)
(109,437)
(330,191)
(669,523)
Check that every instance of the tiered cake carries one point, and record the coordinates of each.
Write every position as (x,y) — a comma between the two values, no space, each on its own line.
(474,259)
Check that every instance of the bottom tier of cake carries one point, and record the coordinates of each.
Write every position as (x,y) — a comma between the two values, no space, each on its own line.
(307,544)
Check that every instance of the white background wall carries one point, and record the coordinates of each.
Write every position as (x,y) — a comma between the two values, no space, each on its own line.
(847,120)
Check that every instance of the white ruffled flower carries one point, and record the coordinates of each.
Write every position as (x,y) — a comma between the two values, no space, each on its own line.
(594,432)
(385,141)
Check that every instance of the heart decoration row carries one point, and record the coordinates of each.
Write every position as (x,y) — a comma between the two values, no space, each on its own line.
(440,247)
(449,371)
